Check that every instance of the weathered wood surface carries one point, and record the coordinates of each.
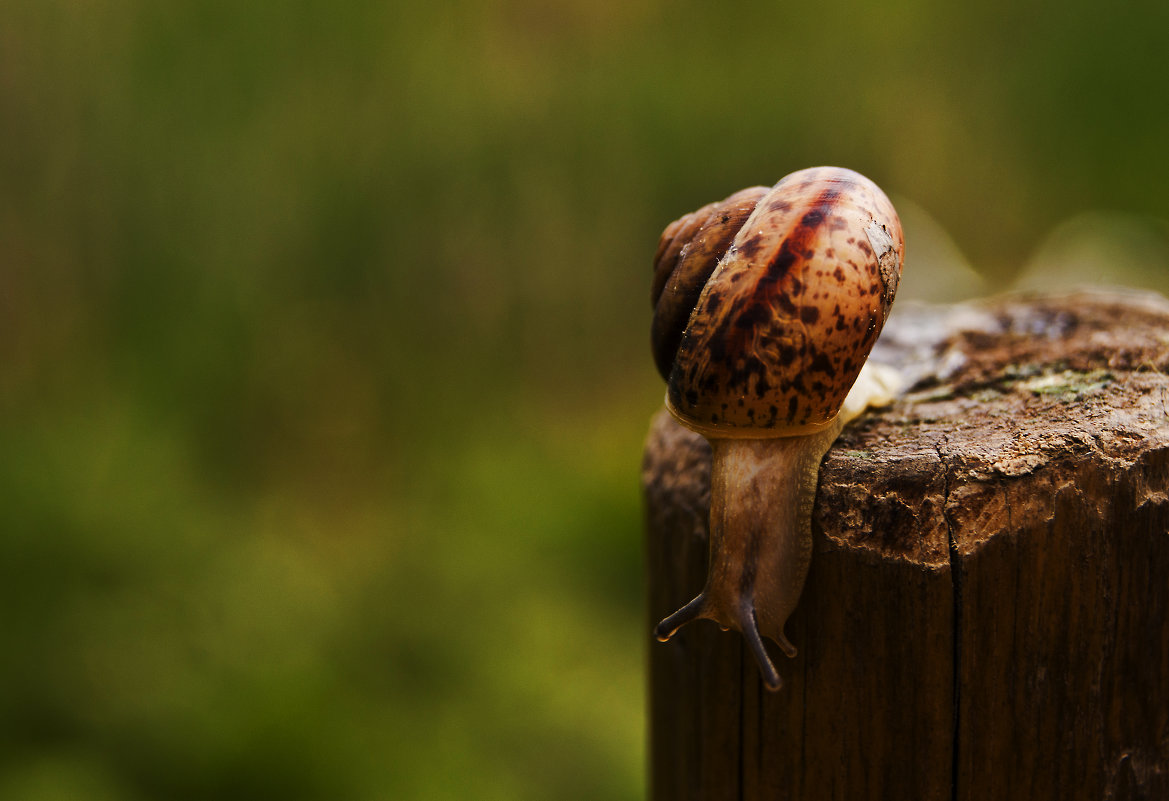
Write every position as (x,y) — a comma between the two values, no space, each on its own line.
(987,612)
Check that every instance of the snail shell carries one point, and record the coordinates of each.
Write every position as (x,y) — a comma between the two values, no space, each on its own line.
(768,303)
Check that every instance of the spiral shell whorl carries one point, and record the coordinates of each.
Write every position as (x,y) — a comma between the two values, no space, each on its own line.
(768,303)
(689,250)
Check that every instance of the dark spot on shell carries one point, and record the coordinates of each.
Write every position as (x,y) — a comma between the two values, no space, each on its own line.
(822,364)
(750,248)
(739,377)
(829,253)
(786,304)
(691,396)
(779,266)
(838,273)
(809,314)
(779,205)
(837,223)
(753,315)
(726,218)
(713,301)
(863,245)
(792,406)
(821,208)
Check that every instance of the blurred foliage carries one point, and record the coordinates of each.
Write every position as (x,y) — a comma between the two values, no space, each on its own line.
(323,346)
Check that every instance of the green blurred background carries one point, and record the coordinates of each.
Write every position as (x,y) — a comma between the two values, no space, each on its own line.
(323,332)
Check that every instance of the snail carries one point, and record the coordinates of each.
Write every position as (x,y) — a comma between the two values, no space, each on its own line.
(766,306)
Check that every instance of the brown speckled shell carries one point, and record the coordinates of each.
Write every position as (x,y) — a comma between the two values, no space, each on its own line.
(768,303)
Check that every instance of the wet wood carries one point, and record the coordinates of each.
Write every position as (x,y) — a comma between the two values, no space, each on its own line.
(987,612)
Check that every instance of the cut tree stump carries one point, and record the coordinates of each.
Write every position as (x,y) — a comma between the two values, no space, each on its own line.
(987,611)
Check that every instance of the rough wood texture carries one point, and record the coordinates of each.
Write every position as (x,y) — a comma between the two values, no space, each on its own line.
(987,612)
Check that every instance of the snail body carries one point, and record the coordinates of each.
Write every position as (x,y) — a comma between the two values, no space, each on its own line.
(766,306)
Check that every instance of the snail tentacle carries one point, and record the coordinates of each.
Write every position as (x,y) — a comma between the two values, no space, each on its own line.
(692,611)
(766,666)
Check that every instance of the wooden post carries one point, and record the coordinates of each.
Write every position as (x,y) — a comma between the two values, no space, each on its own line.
(987,612)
